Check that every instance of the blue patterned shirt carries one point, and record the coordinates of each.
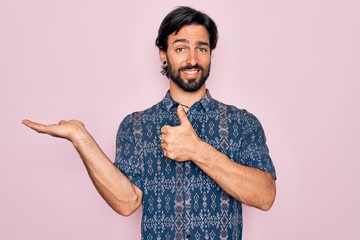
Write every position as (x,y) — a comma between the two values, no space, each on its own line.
(179,200)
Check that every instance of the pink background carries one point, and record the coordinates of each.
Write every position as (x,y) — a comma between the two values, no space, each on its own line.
(294,64)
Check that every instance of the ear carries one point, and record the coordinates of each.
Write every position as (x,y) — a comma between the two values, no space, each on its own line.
(162,55)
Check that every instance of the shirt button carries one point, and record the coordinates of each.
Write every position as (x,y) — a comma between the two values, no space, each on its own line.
(188,236)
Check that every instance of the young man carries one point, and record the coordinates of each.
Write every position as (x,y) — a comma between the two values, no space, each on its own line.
(190,160)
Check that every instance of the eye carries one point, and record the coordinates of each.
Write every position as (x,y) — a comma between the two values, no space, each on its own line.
(202,50)
(180,50)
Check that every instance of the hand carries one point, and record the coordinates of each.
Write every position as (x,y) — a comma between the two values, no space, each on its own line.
(181,142)
(64,129)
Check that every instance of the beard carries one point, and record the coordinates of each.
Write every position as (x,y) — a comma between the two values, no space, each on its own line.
(193,84)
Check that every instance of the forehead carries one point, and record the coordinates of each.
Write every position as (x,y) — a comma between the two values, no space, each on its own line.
(193,32)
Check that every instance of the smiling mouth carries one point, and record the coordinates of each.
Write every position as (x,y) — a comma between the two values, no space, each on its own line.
(191,71)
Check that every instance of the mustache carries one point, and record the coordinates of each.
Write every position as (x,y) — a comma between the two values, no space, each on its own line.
(189,67)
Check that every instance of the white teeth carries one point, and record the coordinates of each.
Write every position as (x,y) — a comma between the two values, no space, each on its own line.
(191,72)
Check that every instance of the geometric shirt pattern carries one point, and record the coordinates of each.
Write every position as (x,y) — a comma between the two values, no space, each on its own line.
(179,200)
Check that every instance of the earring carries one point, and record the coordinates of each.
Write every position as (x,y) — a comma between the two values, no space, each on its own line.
(164,68)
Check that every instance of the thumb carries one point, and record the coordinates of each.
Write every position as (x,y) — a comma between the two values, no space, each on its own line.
(182,116)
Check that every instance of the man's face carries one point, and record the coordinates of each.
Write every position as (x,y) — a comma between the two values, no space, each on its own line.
(188,57)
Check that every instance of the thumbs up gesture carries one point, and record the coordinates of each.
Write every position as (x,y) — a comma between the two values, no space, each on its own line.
(180,143)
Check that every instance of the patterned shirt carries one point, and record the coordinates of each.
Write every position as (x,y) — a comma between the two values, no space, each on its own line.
(179,200)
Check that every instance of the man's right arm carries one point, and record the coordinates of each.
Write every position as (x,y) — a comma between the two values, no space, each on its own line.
(116,189)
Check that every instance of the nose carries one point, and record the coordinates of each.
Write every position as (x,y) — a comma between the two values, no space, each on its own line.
(192,58)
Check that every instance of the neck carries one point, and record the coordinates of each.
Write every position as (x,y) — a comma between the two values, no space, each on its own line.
(186,98)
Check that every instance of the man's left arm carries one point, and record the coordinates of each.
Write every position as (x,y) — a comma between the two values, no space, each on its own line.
(250,186)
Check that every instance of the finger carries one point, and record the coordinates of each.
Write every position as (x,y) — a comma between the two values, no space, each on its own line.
(165,149)
(164,129)
(163,142)
(41,128)
(62,122)
(182,116)
(161,139)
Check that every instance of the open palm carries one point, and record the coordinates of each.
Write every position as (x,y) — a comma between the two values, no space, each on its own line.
(64,129)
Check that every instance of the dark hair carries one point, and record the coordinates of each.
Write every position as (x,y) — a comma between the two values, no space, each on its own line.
(180,17)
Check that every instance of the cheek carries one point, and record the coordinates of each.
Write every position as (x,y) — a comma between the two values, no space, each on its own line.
(205,60)
(175,62)
(206,63)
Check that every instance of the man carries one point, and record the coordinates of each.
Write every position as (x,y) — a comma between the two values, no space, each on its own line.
(190,160)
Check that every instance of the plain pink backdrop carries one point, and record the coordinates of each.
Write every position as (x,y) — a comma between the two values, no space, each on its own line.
(294,64)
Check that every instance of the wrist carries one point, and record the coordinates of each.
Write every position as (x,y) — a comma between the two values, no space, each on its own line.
(200,152)
(80,137)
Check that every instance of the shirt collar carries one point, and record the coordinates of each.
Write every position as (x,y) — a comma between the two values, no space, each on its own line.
(205,102)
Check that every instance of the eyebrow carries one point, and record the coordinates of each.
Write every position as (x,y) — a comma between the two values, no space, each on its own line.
(184,40)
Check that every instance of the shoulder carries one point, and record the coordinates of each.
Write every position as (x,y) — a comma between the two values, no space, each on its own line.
(232,111)
(235,115)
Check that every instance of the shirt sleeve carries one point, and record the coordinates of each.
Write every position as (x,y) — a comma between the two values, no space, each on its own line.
(253,149)
(127,159)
